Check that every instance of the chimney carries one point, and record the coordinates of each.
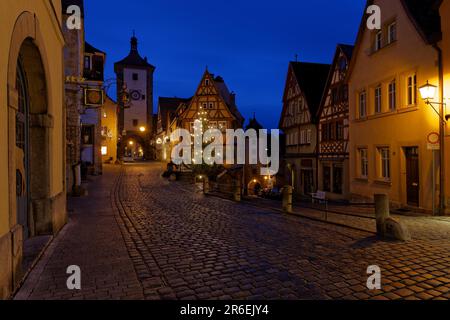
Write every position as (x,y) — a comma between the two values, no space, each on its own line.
(233,98)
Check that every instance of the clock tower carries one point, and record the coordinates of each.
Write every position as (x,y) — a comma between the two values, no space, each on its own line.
(135,97)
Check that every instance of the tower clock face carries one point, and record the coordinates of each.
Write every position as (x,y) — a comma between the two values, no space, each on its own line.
(136,95)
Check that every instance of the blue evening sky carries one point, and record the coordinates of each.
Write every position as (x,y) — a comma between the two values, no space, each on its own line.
(249,43)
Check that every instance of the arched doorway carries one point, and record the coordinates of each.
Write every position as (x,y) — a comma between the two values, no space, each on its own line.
(134,148)
(254,188)
(31,143)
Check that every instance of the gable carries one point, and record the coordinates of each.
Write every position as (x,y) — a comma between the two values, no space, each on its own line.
(336,91)
(295,107)
(208,98)
(418,17)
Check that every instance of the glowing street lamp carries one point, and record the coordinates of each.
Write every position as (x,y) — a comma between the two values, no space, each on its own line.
(142,129)
(428,92)
(131,143)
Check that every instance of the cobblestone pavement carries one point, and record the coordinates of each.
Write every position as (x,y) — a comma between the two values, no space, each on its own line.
(138,236)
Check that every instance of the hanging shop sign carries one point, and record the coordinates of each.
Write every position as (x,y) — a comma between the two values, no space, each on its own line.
(94,97)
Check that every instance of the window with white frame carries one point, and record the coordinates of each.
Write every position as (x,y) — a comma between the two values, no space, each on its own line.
(378,99)
(385,163)
(378,40)
(363,162)
(392,32)
(392,95)
(412,90)
(362,104)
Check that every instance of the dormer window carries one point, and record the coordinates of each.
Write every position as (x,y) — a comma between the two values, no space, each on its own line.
(392,32)
(87,62)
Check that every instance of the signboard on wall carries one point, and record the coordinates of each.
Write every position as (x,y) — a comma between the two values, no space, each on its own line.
(94,97)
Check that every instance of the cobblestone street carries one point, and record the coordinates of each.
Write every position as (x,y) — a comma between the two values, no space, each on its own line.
(138,236)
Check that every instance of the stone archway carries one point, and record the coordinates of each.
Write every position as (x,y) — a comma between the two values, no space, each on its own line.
(29,125)
(36,150)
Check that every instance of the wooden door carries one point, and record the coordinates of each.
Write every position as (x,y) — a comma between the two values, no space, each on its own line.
(412,176)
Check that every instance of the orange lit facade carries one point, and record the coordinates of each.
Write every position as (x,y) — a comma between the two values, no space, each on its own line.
(389,122)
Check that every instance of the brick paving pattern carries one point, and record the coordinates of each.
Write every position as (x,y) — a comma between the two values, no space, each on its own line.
(138,236)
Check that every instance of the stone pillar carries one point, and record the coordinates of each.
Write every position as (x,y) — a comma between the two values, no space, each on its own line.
(237,190)
(381,212)
(287,199)
(205,185)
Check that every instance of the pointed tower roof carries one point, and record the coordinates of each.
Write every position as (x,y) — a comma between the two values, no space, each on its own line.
(134,58)
(254,124)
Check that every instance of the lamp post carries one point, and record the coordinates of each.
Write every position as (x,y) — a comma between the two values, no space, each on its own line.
(428,92)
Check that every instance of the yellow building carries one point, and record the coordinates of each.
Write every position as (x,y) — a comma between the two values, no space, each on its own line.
(109,128)
(390,124)
(445,45)
(32,130)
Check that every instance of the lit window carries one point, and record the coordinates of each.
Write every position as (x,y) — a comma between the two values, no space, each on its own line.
(104,150)
(378,99)
(385,163)
(362,104)
(392,95)
(412,90)
(378,40)
(364,163)
(392,32)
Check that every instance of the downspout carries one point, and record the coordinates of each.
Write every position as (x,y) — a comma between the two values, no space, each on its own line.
(442,202)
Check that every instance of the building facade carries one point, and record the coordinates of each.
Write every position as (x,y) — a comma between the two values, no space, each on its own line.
(333,152)
(73,67)
(32,125)
(445,46)
(389,122)
(91,118)
(214,99)
(109,133)
(135,98)
(302,95)
(167,111)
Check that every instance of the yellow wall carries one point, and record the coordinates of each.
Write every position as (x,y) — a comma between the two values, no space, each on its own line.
(402,128)
(445,45)
(110,121)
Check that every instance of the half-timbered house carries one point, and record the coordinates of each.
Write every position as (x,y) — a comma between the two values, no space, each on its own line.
(303,92)
(333,128)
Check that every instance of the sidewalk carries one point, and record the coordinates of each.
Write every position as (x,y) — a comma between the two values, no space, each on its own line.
(92,240)
(363,217)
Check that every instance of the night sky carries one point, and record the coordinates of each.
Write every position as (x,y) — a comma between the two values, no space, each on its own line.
(249,43)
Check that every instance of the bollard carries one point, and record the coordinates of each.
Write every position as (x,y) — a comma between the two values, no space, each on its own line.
(381,213)
(287,199)
(205,185)
(237,191)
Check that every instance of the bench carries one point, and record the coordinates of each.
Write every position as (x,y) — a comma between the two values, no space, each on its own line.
(320,196)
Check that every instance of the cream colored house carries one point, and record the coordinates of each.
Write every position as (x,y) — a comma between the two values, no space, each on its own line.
(389,122)
(32,130)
